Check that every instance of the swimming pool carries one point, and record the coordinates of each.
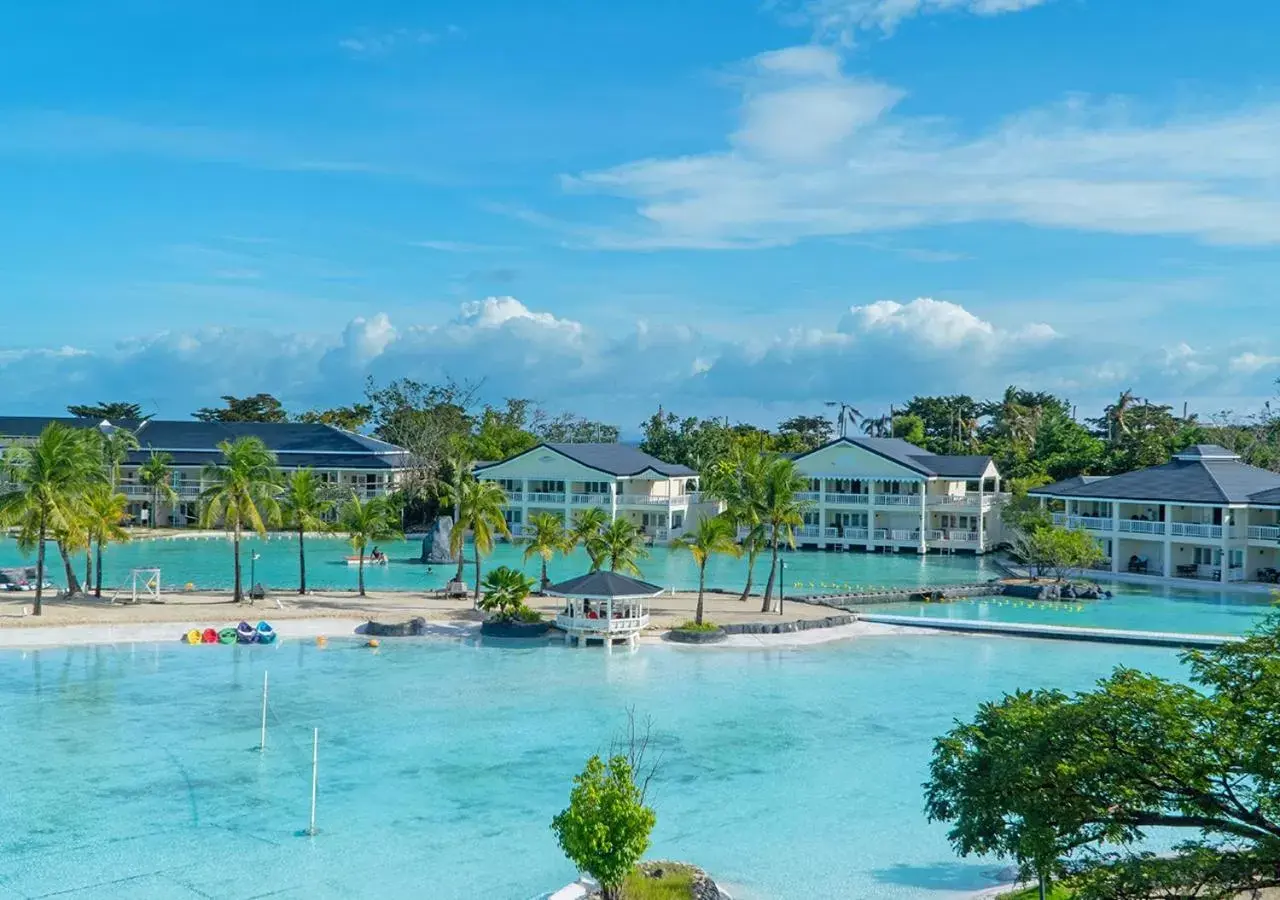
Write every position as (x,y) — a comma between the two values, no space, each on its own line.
(207,563)
(1131,607)
(787,773)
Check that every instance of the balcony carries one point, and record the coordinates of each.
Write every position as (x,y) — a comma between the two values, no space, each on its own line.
(846,499)
(845,534)
(968,500)
(1264,532)
(644,500)
(809,496)
(515,497)
(912,500)
(185,491)
(589,499)
(1089,523)
(902,534)
(538,497)
(1193,530)
(1139,526)
(808,531)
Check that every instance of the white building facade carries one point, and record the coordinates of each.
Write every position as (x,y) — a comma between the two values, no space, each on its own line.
(1205,515)
(887,494)
(659,498)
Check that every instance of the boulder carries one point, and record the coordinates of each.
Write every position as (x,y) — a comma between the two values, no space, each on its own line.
(435,546)
(413,628)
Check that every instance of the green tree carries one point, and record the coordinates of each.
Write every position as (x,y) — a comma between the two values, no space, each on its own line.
(1059,550)
(117,410)
(587,524)
(545,536)
(738,481)
(1041,774)
(950,423)
(104,512)
(696,443)
(157,474)
(619,545)
(348,418)
(800,434)
(909,428)
(605,829)
(502,433)
(243,492)
(480,512)
(712,535)
(258,408)
(367,522)
(46,481)
(116,445)
(567,428)
(505,592)
(428,420)
(458,465)
(305,503)
(781,512)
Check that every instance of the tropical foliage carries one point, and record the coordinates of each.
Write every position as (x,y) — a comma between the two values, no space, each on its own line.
(781,512)
(1058,550)
(738,482)
(305,505)
(113,411)
(243,493)
(545,536)
(712,535)
(1043,774)
(619,546)
(366,522)
(480,511)
(103,516)
(505,592)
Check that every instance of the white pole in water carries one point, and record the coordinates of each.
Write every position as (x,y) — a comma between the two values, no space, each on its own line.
(315,768)
(262,742)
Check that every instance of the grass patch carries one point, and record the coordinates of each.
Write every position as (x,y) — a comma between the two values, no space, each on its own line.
(676,883)
(1056,892)
(694,626)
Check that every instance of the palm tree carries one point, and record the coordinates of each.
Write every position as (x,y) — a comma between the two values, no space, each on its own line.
(243,492)
(880,426)
(304,504)
(505,590)
(459,463)
(367,522)
(738,481)
(104,515)
(848,415)
(480,511)
(587,524)
(546,536)
(1117,415)
(116,445)
(156,474)
(47,480)
(621,545)
(712,535)
(782,512)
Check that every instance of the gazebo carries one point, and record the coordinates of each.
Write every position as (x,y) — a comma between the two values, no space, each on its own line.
(603,606)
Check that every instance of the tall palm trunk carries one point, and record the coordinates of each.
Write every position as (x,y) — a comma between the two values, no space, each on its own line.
(237,594)
(73,583)
(457,516)
(302,564)
(773,572)
(39,607)
(753,551)
(545,580)
(155,506)
(702,586)
(88,569)
(97,586)
(360,573)
(475,601)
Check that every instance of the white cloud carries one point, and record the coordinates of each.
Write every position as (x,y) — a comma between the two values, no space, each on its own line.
(459,247)
(821,153)
(872,354)
(371,43)
(842,17)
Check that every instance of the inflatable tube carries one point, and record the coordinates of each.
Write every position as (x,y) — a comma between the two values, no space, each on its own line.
(266,634)
(227,636)
(210,636)
(192,637)
(246,633)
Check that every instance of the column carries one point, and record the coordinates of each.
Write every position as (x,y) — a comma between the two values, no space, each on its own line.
(822,513)
(924,515)
(982,517)
(613,500)
(1115,535)
(871,514)
(568,502)
(1168,540)
(1223,576)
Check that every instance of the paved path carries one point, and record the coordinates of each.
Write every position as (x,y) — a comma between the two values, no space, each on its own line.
(1055,632)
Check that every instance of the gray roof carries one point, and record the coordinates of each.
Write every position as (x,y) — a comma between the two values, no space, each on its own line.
(914,458)
(194,443)
(603,585)
(1067,484)
(611,459)
(1202,474)
(1266,498)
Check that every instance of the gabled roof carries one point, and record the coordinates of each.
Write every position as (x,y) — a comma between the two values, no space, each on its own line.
(912,457)
(1205,473)
(1266,498)
(604,585)
(611,459)
(1067,484)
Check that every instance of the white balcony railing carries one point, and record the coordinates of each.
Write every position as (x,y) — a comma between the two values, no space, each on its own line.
(515,497)
(538,497)
(898,500)
(962,537)
(1091,523)
(658,534)
(900,534)
(808,531)
(643,500)
(846,499)
(881,534)
(589,499)
(1139,526)
(1190,529)
(809,496)
(845,534)
(967,499)
(1264,532)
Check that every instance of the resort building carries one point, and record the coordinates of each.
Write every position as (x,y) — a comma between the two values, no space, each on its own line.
(659,498)
(887,494)
(349,461)
(1202,515)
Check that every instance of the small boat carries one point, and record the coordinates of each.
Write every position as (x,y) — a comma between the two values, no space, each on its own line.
(227,636)
(266,634)
(368,561)
(246,633)
(192,637)
(209,637)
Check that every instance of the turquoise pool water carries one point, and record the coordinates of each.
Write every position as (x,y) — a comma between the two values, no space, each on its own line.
(207,563)
(788,773)
(1130,607)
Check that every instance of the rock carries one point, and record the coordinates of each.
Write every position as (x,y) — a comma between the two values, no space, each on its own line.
(435,546)
(413,628)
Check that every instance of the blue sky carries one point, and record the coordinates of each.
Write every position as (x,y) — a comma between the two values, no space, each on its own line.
(737,208)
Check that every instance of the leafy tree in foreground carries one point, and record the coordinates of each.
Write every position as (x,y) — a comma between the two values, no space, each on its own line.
(1041,775)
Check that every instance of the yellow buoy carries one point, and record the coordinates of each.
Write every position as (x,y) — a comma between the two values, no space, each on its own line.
(321,640)
(373,642)
(190,586)
(192,636)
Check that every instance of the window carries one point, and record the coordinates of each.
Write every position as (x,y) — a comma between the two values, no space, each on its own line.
(811,518)
(595,487)
(677,520)
(513,516)
(1206,556)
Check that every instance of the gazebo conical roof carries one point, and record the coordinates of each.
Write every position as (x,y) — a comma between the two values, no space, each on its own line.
(605,585)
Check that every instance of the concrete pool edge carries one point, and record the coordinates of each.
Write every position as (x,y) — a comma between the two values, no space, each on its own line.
(1055,632)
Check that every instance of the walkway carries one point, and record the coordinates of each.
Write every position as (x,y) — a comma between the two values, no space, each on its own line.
(1056,632)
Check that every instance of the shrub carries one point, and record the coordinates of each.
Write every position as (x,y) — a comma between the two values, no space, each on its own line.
(691,625)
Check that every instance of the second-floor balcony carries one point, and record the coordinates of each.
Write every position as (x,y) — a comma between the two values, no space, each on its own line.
(1141,526)
(912,500)
(1264,532)
(1195,530)
(578,499)
(847,499)
(1089,523)
(545,497)
(652,500)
